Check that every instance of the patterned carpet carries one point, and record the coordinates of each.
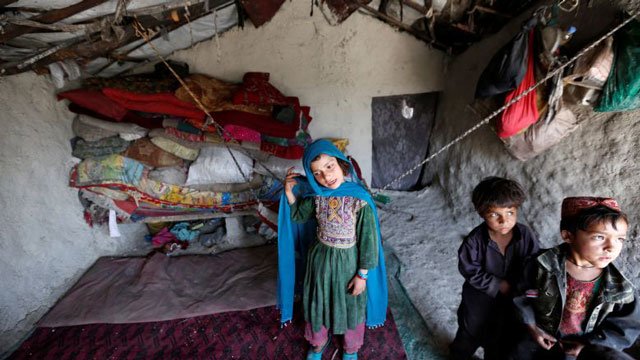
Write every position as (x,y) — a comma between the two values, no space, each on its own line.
(253,334)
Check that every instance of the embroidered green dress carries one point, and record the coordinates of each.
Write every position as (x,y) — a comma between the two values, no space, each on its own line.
(347,241)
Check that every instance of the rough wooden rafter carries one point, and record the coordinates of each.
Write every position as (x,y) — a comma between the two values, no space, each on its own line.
(7,2)
(417,7)
(49,17)
(98,47)
(395,22)
(113,56)
(24,9)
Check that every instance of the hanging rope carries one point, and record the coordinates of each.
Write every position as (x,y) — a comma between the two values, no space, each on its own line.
(187,16)
(486,120)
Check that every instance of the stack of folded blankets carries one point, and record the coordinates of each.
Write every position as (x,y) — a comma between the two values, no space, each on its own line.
(154,150)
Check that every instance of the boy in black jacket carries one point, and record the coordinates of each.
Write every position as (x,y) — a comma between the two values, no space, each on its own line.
(578,304)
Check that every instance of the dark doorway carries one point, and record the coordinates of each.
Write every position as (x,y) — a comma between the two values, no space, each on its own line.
(402,127)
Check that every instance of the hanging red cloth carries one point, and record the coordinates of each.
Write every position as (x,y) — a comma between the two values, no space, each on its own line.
(523,113)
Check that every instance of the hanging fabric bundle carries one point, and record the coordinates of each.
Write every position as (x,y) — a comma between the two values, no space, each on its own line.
(622,90)
(542,135)
(508,67)
(523,113)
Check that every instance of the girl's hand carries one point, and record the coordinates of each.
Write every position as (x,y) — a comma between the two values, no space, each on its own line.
(289,182)
(543,339)
(356,286)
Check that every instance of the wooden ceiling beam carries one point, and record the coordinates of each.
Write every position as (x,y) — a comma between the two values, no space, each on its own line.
(397,23)
(417,7)
(113,56)
(50,17)
(7,2)
(99,47)
(30,10)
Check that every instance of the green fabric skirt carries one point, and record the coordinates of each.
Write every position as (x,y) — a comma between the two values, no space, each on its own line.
(326,299)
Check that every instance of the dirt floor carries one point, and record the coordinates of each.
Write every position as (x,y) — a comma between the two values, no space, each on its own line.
(420,230)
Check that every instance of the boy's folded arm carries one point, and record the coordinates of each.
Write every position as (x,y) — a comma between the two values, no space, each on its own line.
(472,270)
(525,310)
(620,329)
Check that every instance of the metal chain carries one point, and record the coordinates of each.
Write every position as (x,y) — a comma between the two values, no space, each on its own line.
(505,106)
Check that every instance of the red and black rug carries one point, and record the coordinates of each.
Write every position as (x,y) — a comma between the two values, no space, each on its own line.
(253,334)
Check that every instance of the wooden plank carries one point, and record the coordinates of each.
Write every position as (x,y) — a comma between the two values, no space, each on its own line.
(49,17)
(7,2)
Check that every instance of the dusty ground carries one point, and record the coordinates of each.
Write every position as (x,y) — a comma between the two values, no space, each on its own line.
(427,247)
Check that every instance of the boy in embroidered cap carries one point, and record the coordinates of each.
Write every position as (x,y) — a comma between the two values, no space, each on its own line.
(578,305)
(490,260)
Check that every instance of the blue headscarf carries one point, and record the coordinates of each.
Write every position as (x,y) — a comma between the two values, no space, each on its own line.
(294,239)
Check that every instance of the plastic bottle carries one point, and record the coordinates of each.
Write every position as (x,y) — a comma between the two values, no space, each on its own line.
(568,34)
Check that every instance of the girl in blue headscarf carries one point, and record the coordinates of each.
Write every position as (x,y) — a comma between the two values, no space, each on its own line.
(344,281)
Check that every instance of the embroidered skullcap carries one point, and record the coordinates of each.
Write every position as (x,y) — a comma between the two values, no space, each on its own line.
(572,206)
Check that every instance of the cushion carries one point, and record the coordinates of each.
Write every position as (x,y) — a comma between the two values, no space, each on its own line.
(89,132)
(187,140)
(175,175)
(278,167)
(176,149)
(208,90)
(215,165)
(147,122)
(255,183)
(144,151)
(256,90)
(107,146)
(127,131)
(162,103)
(95,101)
(264,124)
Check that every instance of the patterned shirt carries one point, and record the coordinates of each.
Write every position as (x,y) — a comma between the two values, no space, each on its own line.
(580,294)
(337,219)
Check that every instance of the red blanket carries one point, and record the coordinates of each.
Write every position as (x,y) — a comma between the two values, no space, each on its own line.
(161,103)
